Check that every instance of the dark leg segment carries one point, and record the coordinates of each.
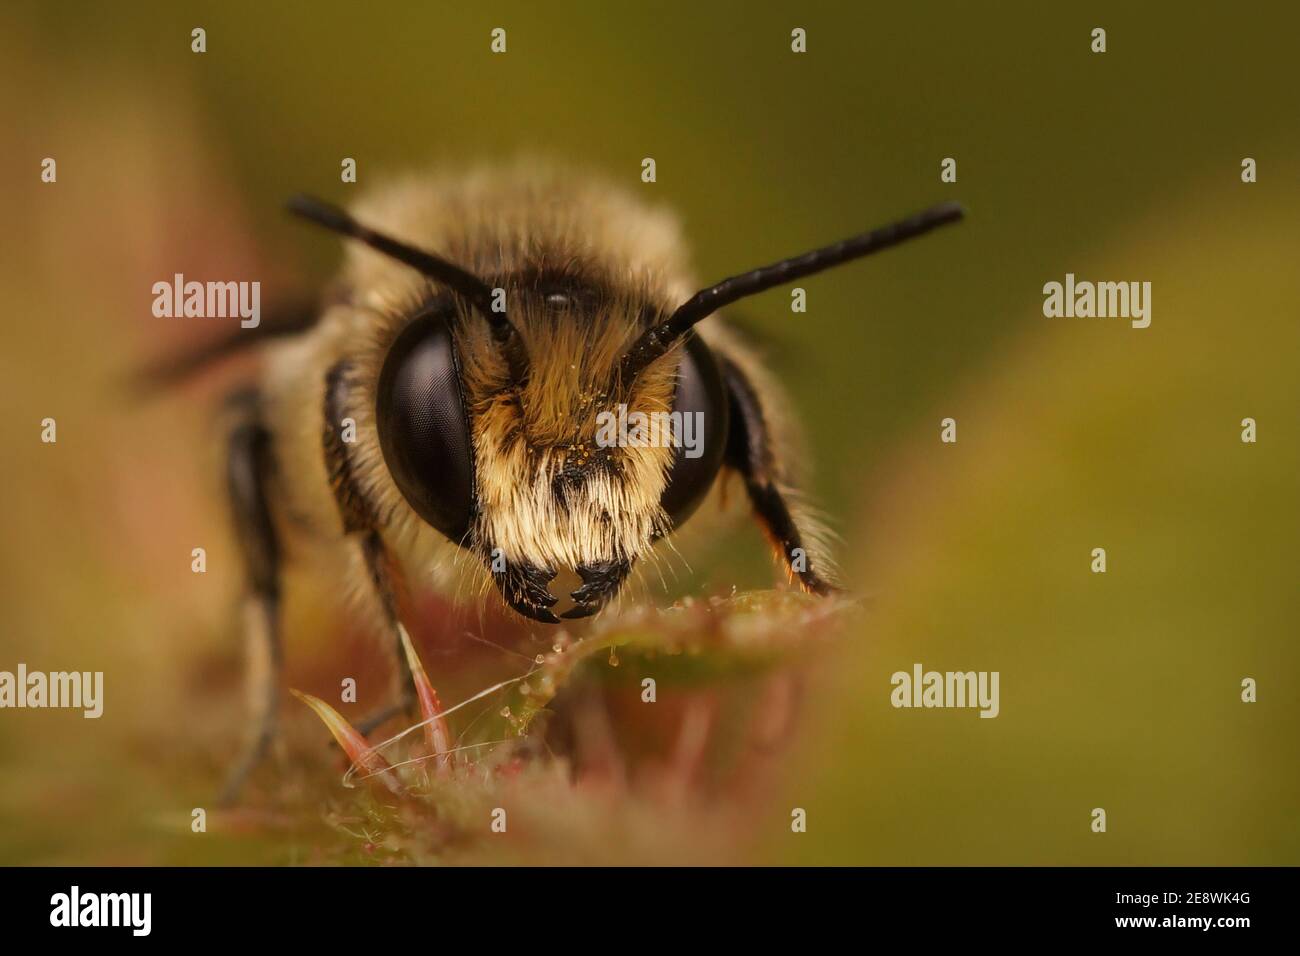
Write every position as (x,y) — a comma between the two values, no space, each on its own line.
(248,471)
(385,580)
(750,452)
(360,518)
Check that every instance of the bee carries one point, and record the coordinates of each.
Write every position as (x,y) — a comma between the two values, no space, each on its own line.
(439,414)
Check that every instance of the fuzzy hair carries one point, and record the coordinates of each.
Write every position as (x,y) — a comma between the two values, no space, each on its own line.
(530,229)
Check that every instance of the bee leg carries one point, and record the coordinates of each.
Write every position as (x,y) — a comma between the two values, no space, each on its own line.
(750,452)
(361,519)
(385,579)
(248,468)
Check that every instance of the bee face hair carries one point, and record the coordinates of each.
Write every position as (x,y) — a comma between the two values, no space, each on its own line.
(512,468)
(487,372)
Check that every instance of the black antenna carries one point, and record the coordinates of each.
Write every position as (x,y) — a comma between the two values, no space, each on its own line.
(449,274)
(657,340)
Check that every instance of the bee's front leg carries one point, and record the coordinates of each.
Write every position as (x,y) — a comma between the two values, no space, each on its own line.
(386,579)
(249,463)
(361,520)
(752,453)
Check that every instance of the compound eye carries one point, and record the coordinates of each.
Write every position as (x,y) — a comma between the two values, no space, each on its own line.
(705,419)
(423,428)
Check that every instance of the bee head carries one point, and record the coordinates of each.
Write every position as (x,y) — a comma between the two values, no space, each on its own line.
(559,419)
(564,467)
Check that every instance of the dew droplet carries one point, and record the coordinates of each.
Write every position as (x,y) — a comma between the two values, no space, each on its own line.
(505,711)
(613,658)
(539,659)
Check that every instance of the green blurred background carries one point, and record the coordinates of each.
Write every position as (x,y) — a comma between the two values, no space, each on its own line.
(1118,691)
